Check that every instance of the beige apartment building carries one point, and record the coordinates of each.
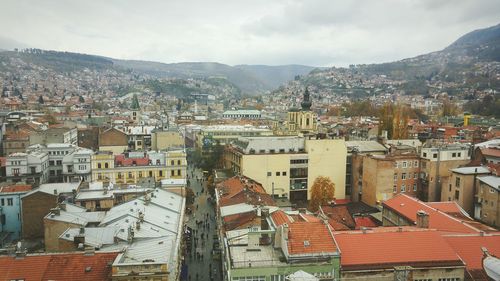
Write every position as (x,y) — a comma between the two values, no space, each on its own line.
(487,205)
(436,162)
(461,186)
(384,176)
(287,166)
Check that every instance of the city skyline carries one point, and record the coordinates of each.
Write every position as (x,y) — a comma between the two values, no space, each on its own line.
(318,33)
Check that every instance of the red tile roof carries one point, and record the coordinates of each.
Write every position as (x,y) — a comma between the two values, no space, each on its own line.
(490,152)
(66,266)
(237,221)
(120,160)
(15,188)
(310,238)
(279,217)
(389,249)
(365,222)
(468,247)
(341,215)
(408,206)
(238,190)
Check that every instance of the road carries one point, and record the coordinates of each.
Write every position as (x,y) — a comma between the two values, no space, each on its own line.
(201,266)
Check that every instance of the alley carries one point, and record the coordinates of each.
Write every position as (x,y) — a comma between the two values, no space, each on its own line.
(201,264)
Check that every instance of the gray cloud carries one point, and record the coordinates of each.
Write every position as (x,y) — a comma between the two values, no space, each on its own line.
(314,32)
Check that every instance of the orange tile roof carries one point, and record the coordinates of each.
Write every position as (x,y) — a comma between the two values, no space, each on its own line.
(309,218)
(310,238)
(15,188)
(389,249)
(64,266)
(447,206)
(340,214)
(408,206)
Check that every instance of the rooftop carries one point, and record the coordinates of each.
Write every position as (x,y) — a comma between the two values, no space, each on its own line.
(471,170)
(493,181)
(408,207)
(388,249)
(310,238)
(15,188)
(61,266)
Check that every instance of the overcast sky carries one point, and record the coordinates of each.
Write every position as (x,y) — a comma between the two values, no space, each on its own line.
(273,32)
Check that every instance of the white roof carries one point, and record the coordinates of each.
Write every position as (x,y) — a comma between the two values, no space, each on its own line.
(243,111)
(493,142)
(175,182)
(236,209)
(471,170)
(302,276)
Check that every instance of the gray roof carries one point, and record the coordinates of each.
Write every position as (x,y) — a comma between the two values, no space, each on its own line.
(492,181)
(365,146)
(55,188)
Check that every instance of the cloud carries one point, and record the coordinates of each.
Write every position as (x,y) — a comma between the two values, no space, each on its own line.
(314,32)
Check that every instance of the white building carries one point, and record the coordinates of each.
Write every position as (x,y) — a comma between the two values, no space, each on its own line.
(242,114)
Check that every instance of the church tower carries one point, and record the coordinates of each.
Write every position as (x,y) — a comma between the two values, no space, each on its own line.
(136,110)
(302,120)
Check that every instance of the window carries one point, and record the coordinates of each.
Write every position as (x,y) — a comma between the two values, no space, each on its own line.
(119,175)
(150,174)
(449,279)
(129,175)
(283,173)
(10,201)
(415,176)
(106,165)
(395,189)
(2,202)
(453,155)
(140,174)
(51,163)
(178,172)
(15,171)
(457,182)
(403,187)
(403,176)
(395,164)
(99,165)
(278,174)
(179,162)
(405,164)
(414,186)
(161,173)
(139,142)
(457,194)
(59,162)
(269,174)
(172,173)
(435,155)
(459,154)
(415,164)
(172,162)
(425,154)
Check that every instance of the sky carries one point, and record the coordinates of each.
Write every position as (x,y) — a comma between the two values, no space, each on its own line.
(272,32)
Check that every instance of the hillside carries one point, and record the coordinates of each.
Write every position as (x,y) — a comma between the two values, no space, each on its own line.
(471,63)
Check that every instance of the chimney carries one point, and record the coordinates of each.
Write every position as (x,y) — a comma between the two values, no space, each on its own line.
(138,225)
(285,231)
(422,219)
(56,211)
(89,251)
(62,206)
(263,219)
(302,210)
(20,254)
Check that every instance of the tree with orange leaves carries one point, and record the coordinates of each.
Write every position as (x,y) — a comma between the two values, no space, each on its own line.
(322,193)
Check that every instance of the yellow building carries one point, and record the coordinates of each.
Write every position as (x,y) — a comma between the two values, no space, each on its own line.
(138,167)
(161,140)
(287,166)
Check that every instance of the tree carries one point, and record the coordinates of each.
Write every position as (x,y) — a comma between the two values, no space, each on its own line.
(322,193)
(81,99)
(189,196)
(40,100)
(394,120)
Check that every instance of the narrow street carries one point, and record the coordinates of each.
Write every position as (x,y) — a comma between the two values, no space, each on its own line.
(201,264)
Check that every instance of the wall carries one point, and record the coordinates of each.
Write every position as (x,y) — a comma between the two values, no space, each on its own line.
(415,274)
(327,158)
(432,192)
(465,191)
(257,167)
(490,204)
(161,140)
(34,208)
(12,214)
(52,230)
